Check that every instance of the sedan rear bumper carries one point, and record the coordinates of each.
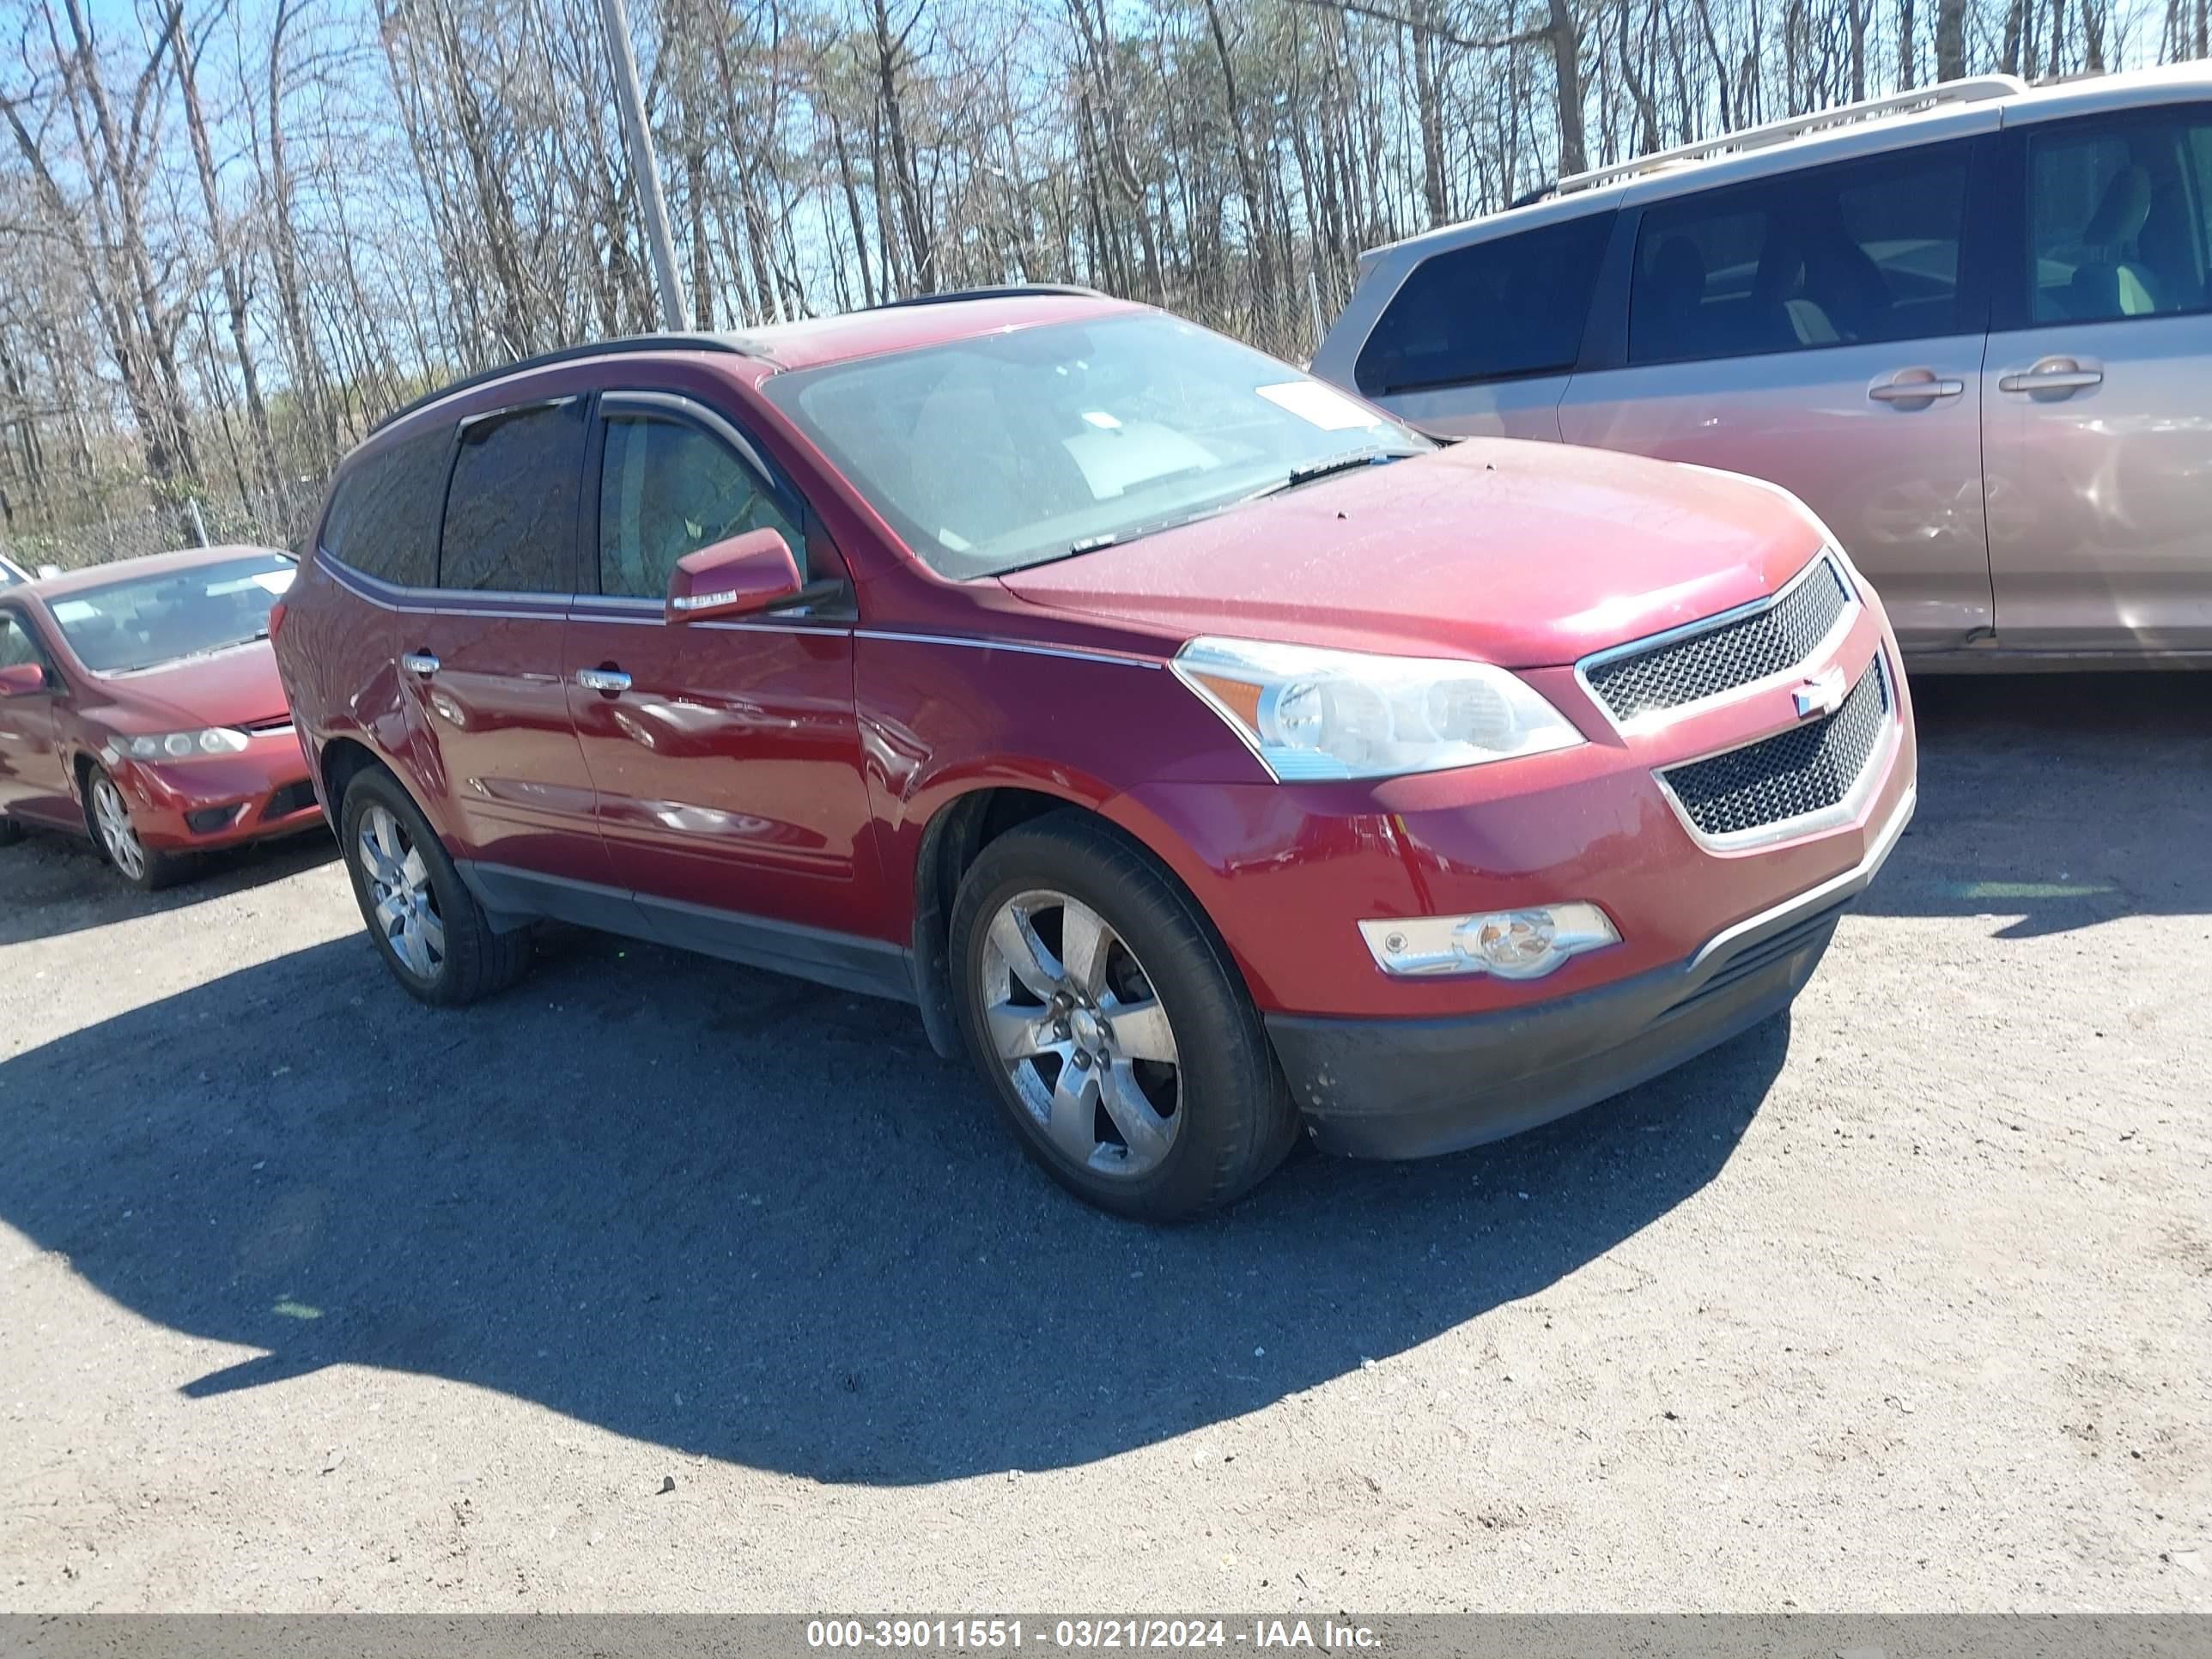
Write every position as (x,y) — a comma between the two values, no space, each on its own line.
(1412,1088)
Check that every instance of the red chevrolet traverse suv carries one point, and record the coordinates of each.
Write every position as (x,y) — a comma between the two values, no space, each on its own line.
(1203,752)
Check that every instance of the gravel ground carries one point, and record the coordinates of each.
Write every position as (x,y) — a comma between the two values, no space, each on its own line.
(664,1285)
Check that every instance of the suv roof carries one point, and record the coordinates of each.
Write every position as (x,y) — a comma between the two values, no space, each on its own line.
(1948,109)
(897,325)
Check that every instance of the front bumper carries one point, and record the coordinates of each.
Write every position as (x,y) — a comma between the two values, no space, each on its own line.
(218,801)
(1411,1088)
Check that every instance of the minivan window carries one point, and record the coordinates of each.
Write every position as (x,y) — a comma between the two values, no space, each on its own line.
(1858,253)
(2118,212)
(667,488)
(383,518)
(1513,306)
(511,515)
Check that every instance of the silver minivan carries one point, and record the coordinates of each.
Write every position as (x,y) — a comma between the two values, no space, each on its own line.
(1970,326)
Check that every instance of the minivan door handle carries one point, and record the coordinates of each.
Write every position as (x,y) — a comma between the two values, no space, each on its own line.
(608,682)
(1914,386)
(2053,374)
(420,664)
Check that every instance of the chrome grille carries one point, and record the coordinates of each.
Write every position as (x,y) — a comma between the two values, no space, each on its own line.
(1720,657)
(1790,776)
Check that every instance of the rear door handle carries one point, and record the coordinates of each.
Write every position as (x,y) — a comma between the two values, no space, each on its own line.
(607,682)
(1922,387)
(420,664)
(2055,379)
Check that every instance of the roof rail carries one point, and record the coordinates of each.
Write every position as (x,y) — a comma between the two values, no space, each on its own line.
(573,354)
(1972,89)
(1011,291)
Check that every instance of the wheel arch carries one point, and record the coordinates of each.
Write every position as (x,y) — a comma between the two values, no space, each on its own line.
(952,839)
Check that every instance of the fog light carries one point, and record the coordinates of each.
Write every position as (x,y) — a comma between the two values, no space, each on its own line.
(1504,944)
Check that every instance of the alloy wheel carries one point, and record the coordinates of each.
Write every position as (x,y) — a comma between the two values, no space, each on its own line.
(405,905)
(113,817)
(1070,1014)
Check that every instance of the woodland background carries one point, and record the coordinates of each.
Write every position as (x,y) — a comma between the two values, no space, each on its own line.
(234,233)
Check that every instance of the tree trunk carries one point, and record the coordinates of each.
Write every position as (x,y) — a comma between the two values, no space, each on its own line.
(1950,39)
(1565,40)
(234,284)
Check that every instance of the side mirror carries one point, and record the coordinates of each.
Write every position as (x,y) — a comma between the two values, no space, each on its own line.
(22,679)
(739,576)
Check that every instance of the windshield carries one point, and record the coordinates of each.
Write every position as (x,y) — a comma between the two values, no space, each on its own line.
(8,575)
(144,622)
(1011,449)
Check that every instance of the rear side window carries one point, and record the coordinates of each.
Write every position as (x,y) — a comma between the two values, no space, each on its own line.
(1859,253)
(1510,307)
(2118,215)
(511,516)
(383,519)
(667,488)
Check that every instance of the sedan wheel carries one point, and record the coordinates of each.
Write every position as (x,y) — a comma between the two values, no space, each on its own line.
(405,909)
(1081,1033)
(108,816)
(120,840)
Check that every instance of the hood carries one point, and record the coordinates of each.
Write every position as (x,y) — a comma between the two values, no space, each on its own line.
(1526,555)
(235,687)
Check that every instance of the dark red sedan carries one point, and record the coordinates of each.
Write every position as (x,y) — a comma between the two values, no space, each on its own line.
(140,706)
(1206,753)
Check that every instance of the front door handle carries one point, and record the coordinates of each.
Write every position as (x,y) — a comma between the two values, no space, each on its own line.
(1914,386)
(2053,374)
(607,682)
(420,664)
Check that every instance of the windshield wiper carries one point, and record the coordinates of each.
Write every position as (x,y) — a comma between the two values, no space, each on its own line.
(1317,471)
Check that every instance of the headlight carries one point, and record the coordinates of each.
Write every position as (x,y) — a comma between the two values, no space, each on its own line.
(1310,714)
(182,745)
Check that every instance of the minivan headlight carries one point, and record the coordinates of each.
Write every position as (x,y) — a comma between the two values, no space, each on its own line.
(1310,714)
(182,745)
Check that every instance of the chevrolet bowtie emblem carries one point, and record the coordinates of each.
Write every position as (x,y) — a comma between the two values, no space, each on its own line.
(1822,695)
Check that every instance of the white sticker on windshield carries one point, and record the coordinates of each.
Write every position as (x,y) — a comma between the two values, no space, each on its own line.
(73,611)
(1102,420)
(1310,400)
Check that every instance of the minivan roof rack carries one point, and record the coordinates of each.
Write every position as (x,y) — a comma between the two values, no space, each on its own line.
(572,354)
(1972,90)
(1011,291)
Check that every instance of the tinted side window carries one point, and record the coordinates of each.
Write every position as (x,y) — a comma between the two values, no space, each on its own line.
(383,519)
(511,516)
(667,488)
(1855,254)
(1514,305)
(17,648)
(2119,213)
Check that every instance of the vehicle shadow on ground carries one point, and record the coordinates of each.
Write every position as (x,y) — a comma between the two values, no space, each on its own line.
(2059,800)
(740,1216)
(51,884)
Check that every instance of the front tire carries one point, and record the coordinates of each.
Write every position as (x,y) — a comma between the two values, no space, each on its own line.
(117,837)
(1117,1038)
(434,936)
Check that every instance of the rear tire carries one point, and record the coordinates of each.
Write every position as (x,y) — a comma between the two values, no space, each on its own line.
(434,936)
(107,815)
(1117,1038)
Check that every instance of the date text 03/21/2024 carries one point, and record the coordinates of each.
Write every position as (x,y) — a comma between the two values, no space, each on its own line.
(986,1634)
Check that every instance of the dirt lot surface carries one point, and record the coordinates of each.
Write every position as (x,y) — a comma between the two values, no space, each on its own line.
(663,1284)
